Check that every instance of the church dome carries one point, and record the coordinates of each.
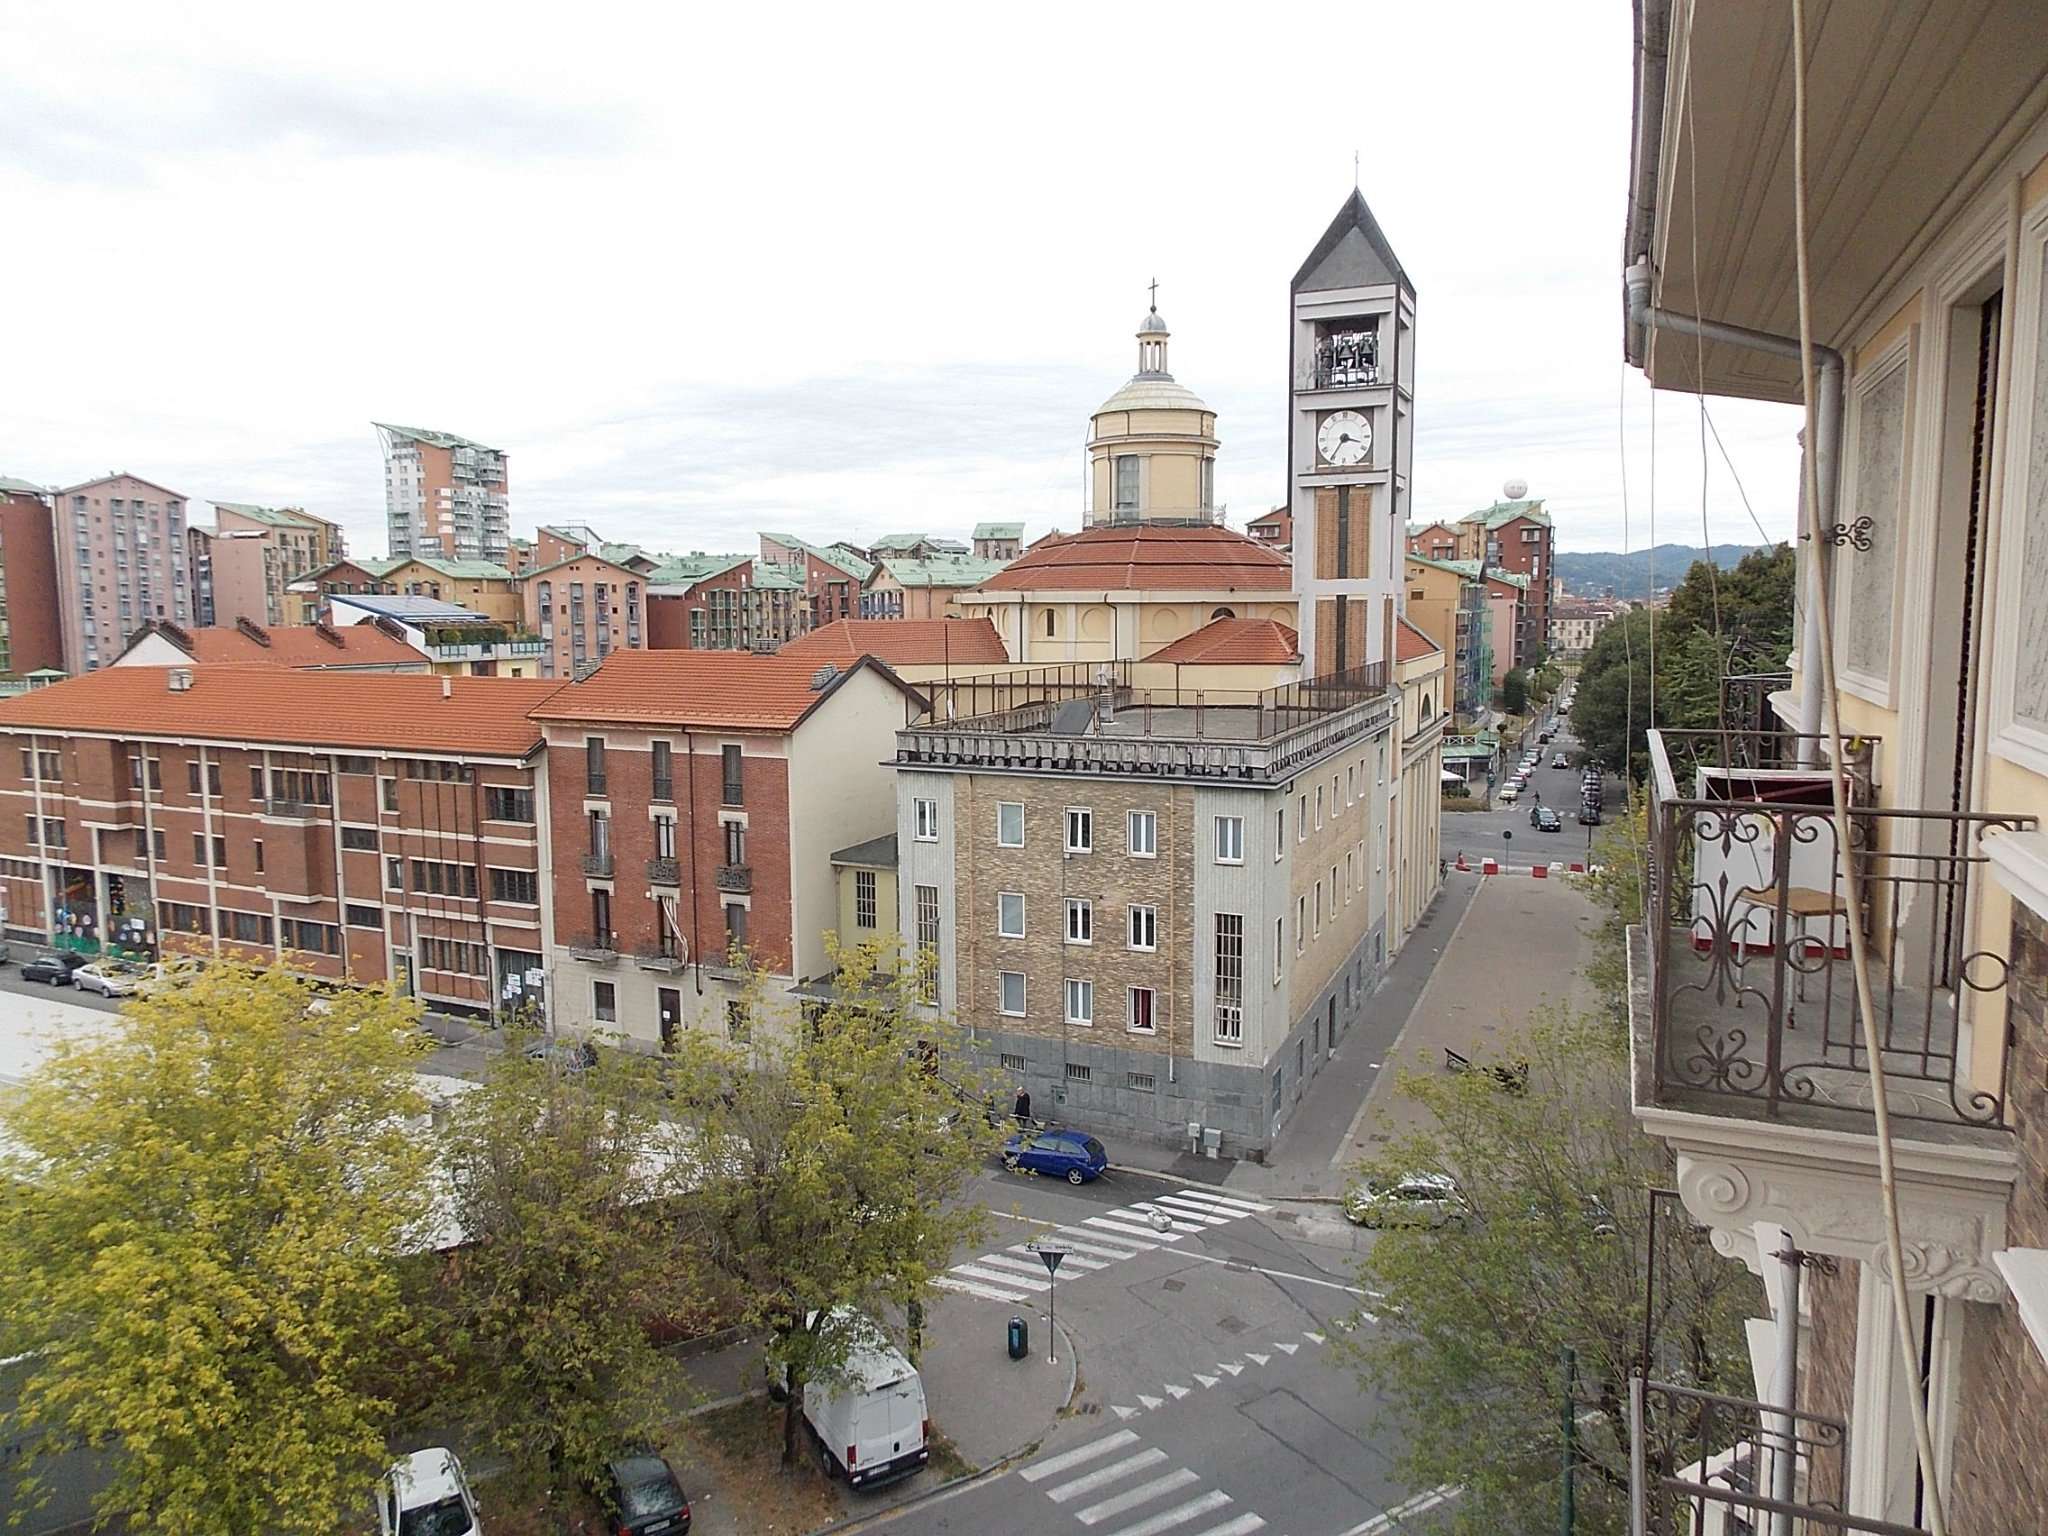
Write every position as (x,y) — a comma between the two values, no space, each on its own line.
(1154,324)
(1152,392)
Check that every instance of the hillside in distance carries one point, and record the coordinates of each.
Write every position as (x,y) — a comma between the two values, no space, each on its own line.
(1594,573)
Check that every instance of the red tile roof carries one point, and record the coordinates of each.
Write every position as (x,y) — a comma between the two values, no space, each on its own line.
(301,645)
(1227,640)
(903,642)
(277,706)
(736,690)
(1411,644)
(1147,558)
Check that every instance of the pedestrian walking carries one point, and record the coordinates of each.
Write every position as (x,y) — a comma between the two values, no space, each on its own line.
(1023,1108)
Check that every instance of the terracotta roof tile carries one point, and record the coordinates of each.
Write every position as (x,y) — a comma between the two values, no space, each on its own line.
(277,706)
(736,690)
(902,642)
(1147,558)
(1411,644)
(301,645)
(1235,640)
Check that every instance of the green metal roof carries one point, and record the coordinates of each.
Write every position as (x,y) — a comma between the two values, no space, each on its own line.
(683,570)
(941,570)
(375,565)
(999,530)
(1507,511)
(1455,567)
(277,517)
(27,487)
(457,570)
(432,438)
(853,565)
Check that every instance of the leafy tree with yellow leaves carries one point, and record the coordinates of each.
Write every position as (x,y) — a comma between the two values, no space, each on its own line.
(201,1208)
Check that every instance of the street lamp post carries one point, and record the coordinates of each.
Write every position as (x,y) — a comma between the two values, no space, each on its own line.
(1050,1254)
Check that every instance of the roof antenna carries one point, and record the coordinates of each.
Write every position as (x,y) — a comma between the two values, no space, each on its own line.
(1354,170)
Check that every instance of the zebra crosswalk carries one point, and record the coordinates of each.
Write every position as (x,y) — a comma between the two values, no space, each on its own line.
(1107,1481)
(1015,1274)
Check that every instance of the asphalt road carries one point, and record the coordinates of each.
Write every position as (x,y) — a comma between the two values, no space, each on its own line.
(1504,833)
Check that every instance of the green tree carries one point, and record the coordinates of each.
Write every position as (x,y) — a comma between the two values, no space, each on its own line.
(835,1146)
(563,1177)
(200,1208)
(1473,1320)
(1514,691)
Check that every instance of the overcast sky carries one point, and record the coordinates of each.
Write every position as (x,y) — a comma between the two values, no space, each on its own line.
(831,269)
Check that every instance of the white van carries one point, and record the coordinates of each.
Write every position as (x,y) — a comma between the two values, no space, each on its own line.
(871,1426)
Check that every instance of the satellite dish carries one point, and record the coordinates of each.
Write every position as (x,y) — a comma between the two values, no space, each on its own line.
(1515,489)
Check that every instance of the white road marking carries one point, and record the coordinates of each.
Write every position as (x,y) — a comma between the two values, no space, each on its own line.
(1123,1412)
(1314,1338)
(1034,1268)
(1177,1220)
(1207,1381)
(1121,1230)
(1389,1522)
(1143,1494)
(1225,1201)
(1195,1212)
(1178,1392)
(1044,1469)
(1152,1402)
(1072,1261)
(1243,1525)
(1101,1476)
(1098,1246)
(1231,1366)
(1256,1359)
(969,1288)
(1191,1510)
(1271,1274)
(999,1277)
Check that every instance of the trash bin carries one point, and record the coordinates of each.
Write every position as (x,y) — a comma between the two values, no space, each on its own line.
(1020,1338)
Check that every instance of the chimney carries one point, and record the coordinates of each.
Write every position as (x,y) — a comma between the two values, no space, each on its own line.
(178,679)
(447,687)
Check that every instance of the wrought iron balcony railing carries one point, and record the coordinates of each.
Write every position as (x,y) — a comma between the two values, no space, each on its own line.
(1729,1463)
(1752,1006)
(598,948)
(664,871)
(735,878)
(598,865)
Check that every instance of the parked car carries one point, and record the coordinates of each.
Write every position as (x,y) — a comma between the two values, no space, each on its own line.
(1510,792)
(109,978)
(1413,1200)
(1559,760)
(571,1056)
(1548,820)
(54,968)
(1589,815)
(642,1497)
(869,1427)
(427,1495)
(1074,1156)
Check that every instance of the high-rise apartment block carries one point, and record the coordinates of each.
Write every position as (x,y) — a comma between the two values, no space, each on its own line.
(274,547)
(30,639)
(121,562)
(445,495)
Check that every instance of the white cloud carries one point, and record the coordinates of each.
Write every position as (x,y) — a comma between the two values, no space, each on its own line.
(825,268)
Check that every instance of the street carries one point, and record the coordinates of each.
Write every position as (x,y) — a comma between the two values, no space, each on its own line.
(1504,833)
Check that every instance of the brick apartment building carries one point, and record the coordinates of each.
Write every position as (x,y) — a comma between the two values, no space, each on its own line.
(31,636)
(829,576)
(367,827)
(696,799)
(121,561)
(583,608)
(704,602)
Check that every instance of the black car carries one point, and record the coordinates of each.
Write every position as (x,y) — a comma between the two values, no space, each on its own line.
(54,968)
(1589,814)
(1546,820)
(641,1497)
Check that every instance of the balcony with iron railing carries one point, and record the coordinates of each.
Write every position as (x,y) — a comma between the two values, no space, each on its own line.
(1746,949)
(735,879)
(595,948)
(664,871)
(598,865)
(1090,720)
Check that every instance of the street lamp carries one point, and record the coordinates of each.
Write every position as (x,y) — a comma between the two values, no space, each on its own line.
(1050,1253)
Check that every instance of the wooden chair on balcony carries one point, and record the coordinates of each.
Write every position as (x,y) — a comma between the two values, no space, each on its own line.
(1802,905)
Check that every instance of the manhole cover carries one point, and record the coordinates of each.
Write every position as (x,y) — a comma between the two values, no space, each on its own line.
(1173,1285)
(1231,1325)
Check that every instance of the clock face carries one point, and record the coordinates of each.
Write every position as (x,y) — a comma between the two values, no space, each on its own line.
(1344,438)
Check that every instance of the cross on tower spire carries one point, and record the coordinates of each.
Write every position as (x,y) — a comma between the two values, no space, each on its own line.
(1155,293)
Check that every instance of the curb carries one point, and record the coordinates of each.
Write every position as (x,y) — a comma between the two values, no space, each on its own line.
(967,1480)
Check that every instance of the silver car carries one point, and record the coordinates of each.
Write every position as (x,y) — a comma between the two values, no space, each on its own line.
(1412,1200)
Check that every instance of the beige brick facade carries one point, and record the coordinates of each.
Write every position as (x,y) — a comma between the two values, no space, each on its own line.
(1110,878)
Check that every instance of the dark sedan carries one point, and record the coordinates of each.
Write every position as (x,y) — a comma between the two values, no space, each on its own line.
(641,1497)
(1546,820)
(53,969)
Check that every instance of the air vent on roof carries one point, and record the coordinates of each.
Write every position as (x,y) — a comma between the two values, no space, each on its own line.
(330,634)
(822,678)
(179,679)
(254,631)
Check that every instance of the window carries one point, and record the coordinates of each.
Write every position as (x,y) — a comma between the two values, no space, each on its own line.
(349,763)
(1010,997)
(1141,833)
(1279,832)
(1012,1063)
(177,917)
(1229,978)
(441,879)
(593,764)
(219,847)
(928,942)
(1229,839)
(600,835)
(734,791)
(1080,829)
(1141,1082)
(737,1025)
(1351,784)
(158,845)
(311,938)
(1279,949)
(362,917)
(520,885)
(1077,1073)
(1051,624)
(1139,1015)
(360,839)
(394,874)
(1080,921)
(1010,914)
(452,956)
(1126,481)
(256,847)
(1009,824)
(192,771)
(1319,807)
(505,804)
(601,918)
(1350,875)
(604,1002)
(390,794)
(245,927)
(1080,1001)
(662,770)
(1144,927)
(924,816)
(256,781)
(864,898)
(735,841)
(1300,924)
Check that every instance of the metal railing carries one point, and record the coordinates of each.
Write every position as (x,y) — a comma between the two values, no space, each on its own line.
(735,878)
(663,789)
(1721,1458)
(597,864)
(294,810)
(602,947)
(664,871)
(657,960)
(1752,996)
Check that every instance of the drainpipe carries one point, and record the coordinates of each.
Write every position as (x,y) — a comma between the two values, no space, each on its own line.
(1642,318)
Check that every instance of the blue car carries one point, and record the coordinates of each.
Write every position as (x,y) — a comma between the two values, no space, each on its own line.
(1074,1156)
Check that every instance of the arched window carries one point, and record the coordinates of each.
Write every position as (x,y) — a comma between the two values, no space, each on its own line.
(1051,623)
(1222,613)
(1428,707)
